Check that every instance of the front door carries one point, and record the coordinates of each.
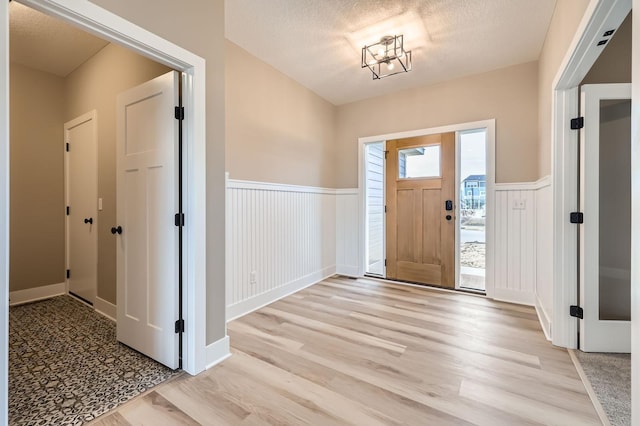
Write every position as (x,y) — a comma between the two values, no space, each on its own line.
(605,236)
(147,249)
(420,191)
(81,187)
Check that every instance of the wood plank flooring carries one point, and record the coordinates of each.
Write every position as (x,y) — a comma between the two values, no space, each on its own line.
(365,352)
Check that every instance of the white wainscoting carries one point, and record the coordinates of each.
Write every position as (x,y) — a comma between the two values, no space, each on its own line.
(544,254)
(347,236)
(516,253)
(282,238)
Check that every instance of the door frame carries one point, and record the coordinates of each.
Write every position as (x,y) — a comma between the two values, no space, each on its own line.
(490,125)
(599,17)
(111,27)
(93,117)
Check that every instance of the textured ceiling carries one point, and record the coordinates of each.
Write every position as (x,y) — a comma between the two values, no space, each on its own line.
(318,42)
(47,44)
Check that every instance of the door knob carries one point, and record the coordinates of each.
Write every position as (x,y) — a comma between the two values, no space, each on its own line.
(89,221)
(448,217)
(116,230)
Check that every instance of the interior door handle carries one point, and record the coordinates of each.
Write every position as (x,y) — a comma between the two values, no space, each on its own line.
(116,230)
(89,221)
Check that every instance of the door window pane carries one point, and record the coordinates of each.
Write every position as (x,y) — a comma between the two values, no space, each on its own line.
(615,210)
(422,162)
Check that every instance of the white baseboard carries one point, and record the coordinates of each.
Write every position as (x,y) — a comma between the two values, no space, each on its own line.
(217,352)
(20,297)
(514,296)
(544,319)
(347,270)
(242,308)
(105,308)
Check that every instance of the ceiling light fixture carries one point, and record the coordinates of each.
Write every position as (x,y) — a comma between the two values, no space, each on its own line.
(382,57)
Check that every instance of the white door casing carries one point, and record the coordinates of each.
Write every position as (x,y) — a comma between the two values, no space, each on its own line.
(81,193)
(147,248)
(596,334)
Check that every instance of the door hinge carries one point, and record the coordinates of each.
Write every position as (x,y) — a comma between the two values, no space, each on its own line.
(576,217)
(385,154)
(385,263)
(68,273)
(577,123)
(179,219)
(179,326)
(66,147)
(385,208)
(179,113)
(576,311)
(68,210)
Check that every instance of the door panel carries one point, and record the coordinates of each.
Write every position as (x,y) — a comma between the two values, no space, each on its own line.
(420,239)
(605,285)
(147,176)
(82,199)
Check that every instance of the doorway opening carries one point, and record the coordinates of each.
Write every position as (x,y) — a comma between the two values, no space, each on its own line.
(90,16)
(422,160)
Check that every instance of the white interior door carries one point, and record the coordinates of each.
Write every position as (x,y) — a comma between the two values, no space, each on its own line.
(147,250)
(605,236)
(81,178)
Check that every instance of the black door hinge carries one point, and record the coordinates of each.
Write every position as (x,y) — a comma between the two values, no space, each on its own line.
(385,208)
(385,262)
(576,311)
(66,146)
(576,217)
(179,219)
(179,113)
(68,210)
(577,123)
(68,273)
(179,327)
(385,154)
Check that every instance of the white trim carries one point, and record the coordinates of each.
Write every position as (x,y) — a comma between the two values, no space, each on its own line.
(268,186)
(635,216)
(524,186)
(545,320)
(217,352)
(581,55)
(247,306)
(94,19)
(490,125)
(346,191)
(29,295)
(105,308)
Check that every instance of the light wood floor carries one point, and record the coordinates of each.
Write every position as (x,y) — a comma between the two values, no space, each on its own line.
(363,352)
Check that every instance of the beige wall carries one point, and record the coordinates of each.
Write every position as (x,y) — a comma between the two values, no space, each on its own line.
(614,63)
(198,26)
(277,130)
(37,202)
(562,30)
(509,95)
(95,85)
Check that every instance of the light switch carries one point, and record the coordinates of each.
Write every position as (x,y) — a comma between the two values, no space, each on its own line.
(519,204)
(99,204)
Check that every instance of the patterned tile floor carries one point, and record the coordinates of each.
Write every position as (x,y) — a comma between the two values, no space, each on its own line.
(66,367)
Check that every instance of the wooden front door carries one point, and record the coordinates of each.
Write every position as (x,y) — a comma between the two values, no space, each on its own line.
(420,197)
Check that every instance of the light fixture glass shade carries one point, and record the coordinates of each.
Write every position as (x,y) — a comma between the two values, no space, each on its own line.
(389,51)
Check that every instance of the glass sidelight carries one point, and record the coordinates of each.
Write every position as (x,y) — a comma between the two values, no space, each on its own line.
(472,202)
